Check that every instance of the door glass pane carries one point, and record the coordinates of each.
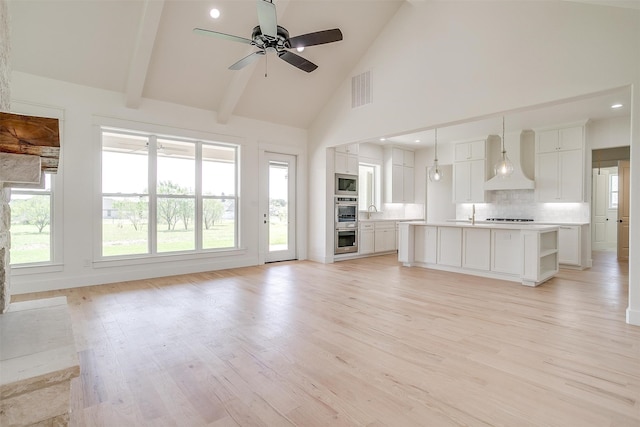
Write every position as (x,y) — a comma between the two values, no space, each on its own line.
(278,206)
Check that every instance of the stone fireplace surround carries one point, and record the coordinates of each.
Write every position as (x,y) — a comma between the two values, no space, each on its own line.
(38,358)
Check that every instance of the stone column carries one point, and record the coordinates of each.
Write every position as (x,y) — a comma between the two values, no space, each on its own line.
(5,105)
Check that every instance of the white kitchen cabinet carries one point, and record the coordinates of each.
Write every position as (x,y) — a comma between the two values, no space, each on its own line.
(506,251)
(346,163)
(426,244)
(560,165)
(366,238)
(468,181)
(472,150)
(399,175)
(450,246)
(569,245)
(385,236)
(476,245)
(569,138)
(540,256)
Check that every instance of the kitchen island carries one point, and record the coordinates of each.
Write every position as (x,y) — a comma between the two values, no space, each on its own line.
(527,254)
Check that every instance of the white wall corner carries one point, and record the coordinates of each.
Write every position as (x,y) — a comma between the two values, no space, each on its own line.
(633,317)
(20,168)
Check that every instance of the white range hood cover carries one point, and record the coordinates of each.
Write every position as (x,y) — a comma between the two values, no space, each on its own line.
(517,180)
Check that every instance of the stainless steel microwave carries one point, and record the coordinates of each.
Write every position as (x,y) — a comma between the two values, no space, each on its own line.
(346,185)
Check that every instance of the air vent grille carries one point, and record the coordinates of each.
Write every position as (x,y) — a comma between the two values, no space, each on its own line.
(361,90)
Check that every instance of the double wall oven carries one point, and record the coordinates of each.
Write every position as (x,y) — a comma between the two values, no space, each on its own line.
(346,215)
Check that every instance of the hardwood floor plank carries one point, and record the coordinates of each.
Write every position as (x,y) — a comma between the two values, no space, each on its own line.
(364,342)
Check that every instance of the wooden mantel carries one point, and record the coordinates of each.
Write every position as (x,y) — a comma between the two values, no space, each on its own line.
(36,136)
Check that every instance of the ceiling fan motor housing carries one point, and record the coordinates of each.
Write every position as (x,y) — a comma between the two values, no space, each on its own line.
(279,42)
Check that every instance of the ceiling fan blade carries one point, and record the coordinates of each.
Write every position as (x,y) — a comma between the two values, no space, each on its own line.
(297,61)
(222,35)
(246,60)
(267,18)
(319,37)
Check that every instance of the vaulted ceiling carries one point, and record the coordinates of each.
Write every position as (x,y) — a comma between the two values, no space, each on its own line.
(147,49)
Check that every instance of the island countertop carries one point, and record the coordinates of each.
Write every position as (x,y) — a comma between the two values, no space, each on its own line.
(493,225)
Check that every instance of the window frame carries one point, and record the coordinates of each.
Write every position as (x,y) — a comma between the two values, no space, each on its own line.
(56,220)
(152,194)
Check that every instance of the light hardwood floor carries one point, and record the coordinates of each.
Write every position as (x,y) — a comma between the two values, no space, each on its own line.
(356,343)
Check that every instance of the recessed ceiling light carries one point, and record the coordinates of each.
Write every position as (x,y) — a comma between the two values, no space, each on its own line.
(383,139)
(214,13)
(616,106)
(417,140)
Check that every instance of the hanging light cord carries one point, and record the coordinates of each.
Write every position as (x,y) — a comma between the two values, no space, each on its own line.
(503,150)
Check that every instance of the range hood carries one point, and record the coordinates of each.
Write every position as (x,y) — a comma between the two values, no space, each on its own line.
(522,155)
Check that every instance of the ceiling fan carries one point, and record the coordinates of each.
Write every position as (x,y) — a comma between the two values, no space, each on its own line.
(268,36)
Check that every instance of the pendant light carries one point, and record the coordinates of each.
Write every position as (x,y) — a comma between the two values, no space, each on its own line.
(435,172)
(504,167)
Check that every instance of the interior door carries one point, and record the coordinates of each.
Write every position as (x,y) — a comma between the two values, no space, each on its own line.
(279,208)
(624,175)
(599,207)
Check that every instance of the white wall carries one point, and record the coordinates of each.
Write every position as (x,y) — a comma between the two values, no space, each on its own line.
(86,108)
(440,63)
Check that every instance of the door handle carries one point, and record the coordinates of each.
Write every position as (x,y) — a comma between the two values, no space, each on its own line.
(607,219)
(620,220)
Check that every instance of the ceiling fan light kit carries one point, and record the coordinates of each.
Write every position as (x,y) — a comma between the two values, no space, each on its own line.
(268,36)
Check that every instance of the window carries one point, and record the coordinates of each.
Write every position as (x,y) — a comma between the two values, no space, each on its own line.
(31,219)
(164,195)
(368,186)
(613,191)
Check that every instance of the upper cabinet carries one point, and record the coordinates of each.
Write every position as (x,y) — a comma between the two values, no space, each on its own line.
(560,164)
(571,138)
(346,159)
(399,175)
(472,150)
(469,172)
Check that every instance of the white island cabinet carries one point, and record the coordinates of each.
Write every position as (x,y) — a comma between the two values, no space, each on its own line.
(527,254)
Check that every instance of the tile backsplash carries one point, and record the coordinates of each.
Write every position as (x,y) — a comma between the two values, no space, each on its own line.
(397,211)
(522,204)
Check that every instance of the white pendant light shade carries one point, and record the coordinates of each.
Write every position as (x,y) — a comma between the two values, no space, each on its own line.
(435,172)
(504,167)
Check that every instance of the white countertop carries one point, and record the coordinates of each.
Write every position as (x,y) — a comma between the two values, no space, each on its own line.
(389,219)
(482,221)
(489,225)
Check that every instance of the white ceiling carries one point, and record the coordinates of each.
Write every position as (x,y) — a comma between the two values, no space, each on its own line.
(114,45)
(146,49)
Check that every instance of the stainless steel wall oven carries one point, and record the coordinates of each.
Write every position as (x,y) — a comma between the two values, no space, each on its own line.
(346,219)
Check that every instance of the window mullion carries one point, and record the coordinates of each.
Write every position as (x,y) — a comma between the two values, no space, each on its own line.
(198,197)
(153,196)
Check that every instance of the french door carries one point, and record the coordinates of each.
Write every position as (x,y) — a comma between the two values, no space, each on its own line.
(279,207)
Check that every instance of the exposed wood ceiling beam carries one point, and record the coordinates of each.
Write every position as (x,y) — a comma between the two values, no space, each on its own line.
(241,78)
(142,53)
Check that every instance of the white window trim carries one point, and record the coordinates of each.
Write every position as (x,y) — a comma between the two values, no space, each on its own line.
(56,225)
(154,256)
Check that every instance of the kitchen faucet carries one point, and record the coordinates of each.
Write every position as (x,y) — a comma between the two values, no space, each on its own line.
(369,210)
